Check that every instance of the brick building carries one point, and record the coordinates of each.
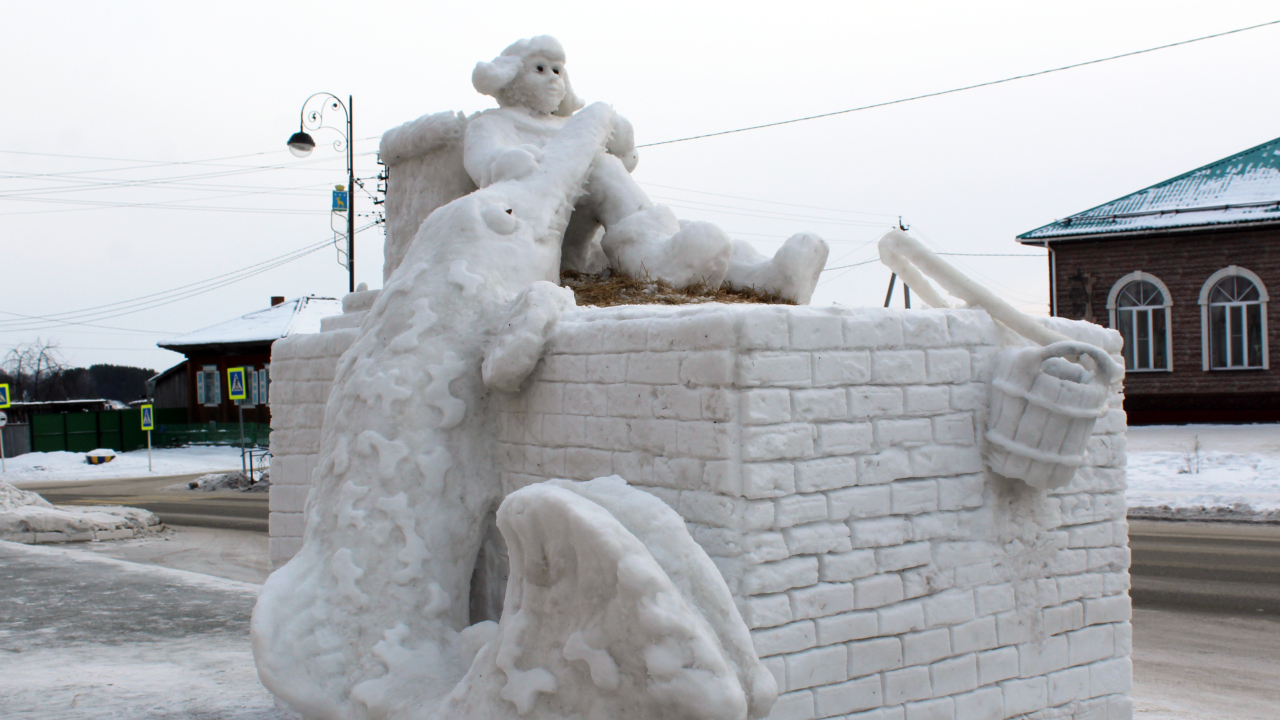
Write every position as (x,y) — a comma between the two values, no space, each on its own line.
(1183,270)
(198,382)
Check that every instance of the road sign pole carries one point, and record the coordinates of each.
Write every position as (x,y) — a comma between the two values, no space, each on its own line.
(242,470)
(149,451)
(2,467)
(4,420)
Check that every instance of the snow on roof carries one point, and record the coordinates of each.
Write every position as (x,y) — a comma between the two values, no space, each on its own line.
(1243,188)
(292,317)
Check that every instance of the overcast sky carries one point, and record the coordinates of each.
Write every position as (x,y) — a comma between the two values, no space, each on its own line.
(143,143)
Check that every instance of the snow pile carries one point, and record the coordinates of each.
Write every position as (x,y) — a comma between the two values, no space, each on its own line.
(26,517)
(1205,472)
(53,466)
(226,481)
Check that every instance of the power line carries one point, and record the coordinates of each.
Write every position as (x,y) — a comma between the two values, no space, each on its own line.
(967,87)
(846,267)
(768,202)
(145,163)
(147,302)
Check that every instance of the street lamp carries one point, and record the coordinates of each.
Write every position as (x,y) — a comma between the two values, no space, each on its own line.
(301,144)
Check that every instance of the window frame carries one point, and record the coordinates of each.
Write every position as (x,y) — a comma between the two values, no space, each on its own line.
(1113,313)
(1206,291)
(212,386)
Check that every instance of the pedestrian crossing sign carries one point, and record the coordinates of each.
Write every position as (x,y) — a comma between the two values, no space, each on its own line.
(4,395)
(148,418)
(236,388)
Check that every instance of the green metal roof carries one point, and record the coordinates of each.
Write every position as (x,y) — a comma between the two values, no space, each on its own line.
(1241,189)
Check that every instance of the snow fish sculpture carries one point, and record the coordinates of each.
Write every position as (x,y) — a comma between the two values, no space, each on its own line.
(611,609)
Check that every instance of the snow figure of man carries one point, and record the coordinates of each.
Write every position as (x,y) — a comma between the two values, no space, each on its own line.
(640,238)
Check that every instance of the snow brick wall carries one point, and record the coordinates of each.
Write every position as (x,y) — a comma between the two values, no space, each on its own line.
(829,461)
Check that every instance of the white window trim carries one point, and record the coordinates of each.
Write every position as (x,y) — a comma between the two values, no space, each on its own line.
(1206,289)
(1112,299)
(216,390)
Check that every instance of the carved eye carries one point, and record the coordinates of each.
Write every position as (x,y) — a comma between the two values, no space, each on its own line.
(540,68)
(508,211)
(555,70)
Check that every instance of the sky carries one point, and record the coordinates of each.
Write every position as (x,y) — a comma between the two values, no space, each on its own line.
(146,192)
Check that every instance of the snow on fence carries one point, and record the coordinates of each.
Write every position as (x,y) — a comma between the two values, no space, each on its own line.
(829,461)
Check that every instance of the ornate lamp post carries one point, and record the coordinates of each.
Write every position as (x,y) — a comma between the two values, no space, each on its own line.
(301,144)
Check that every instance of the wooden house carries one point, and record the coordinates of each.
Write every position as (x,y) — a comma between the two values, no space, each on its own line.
(199,382)
(1183,269)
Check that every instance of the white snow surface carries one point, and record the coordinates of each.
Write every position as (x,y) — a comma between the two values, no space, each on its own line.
(299,316)
(1239,467)
(57,466)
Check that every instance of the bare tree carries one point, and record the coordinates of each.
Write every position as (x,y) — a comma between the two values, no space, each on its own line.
(37,370)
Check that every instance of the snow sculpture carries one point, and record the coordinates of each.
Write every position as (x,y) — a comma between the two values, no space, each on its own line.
(535,99)
(1044,401)
(611,610)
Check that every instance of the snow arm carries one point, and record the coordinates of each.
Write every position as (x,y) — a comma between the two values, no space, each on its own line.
(522,339)
(493,151)
(622,144)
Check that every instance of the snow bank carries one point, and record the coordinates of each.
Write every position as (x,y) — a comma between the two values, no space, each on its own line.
(26,517)
(1233,475)
(56,466)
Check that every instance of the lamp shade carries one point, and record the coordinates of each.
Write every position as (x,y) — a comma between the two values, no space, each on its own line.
(301,144)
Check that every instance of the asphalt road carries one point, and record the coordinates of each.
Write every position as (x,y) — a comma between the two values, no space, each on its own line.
(1224,567)
(226,509)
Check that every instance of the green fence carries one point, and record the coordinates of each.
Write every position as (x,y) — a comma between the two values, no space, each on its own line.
(122,430)
(255,434)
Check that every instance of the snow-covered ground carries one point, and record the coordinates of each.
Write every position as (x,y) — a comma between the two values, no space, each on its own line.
(43,467)
(1234,473)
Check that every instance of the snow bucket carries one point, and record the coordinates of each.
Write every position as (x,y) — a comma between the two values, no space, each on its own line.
(1043,408)
(1044,402)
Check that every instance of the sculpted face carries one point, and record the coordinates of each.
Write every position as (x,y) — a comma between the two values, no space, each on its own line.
(540,85)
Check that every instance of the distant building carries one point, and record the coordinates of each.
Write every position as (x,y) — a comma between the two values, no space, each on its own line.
(1183,270)
(198,383)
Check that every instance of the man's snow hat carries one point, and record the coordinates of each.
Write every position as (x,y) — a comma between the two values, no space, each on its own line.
(489,78)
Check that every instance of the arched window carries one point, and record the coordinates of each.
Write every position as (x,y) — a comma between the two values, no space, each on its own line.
(1233,311)
(1139,307)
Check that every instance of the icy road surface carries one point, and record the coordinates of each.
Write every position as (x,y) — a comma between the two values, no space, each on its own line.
(84,636)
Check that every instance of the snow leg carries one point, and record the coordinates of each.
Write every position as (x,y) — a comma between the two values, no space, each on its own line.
(792,272)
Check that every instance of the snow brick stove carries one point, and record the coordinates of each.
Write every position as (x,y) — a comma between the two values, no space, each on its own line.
(830,463)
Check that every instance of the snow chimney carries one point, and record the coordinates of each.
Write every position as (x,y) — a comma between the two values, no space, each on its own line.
(276,300)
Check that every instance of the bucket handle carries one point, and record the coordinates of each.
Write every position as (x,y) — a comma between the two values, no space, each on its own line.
(1107,368)
(903,254)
